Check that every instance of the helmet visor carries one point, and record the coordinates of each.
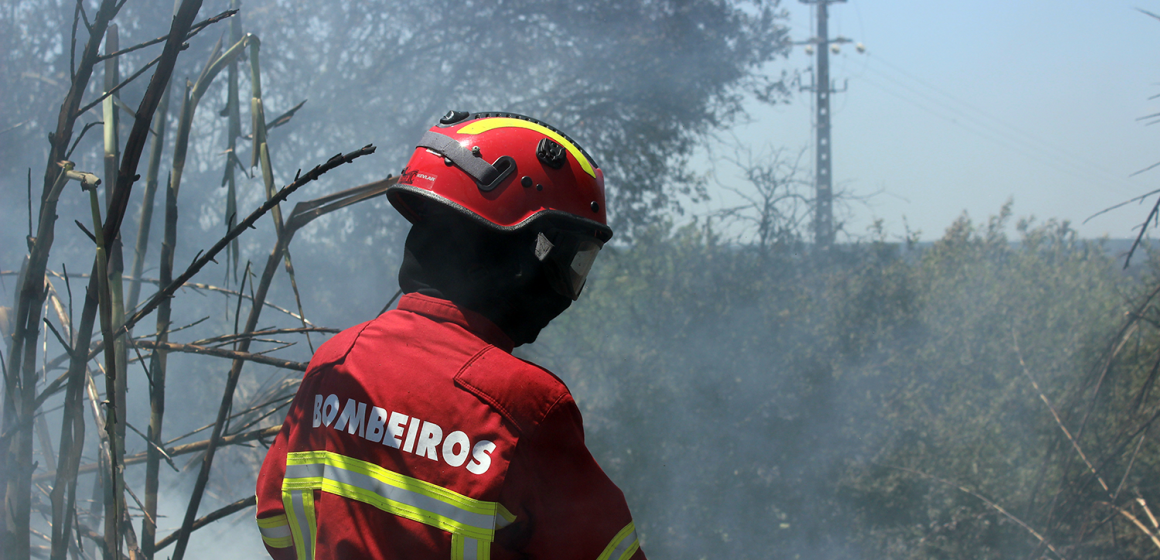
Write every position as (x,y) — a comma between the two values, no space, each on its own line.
(568,258)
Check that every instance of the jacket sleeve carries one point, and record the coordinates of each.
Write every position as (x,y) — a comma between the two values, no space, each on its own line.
(271,515)
(574,511)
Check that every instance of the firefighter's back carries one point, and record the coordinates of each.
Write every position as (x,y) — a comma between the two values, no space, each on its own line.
(394,449)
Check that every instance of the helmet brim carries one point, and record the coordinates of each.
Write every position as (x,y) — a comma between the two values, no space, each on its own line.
(408,200)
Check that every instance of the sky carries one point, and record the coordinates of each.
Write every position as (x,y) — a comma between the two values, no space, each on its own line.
(961,106)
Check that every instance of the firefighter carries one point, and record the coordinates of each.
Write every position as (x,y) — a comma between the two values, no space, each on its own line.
(418,435)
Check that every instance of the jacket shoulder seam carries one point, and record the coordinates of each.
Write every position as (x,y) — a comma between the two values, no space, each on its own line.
(480,392)
(350,347)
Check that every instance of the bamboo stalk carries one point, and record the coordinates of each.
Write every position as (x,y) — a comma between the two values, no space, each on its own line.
(262,152)
(158,367)
(116,351)
(109,114)
(126,176)
(115,346)
(104,306)
(145,219)
(63,495)
(21,401)
(233,112)
(158,362)
(102,465)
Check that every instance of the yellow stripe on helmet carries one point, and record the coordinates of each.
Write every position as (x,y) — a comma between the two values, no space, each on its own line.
(484,125)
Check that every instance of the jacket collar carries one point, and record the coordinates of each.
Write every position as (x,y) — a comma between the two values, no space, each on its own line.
(444,310)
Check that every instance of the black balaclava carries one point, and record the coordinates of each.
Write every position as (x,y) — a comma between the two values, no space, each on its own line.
(495,274)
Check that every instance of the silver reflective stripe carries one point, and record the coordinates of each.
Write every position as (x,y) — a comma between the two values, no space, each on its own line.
(624,545)
(479,521)
(304,527)
(312,470)
(279,532)
(470,549)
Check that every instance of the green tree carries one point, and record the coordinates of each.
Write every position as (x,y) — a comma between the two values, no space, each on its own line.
(759,404)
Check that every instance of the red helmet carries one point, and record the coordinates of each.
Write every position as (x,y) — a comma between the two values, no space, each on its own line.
(504,171)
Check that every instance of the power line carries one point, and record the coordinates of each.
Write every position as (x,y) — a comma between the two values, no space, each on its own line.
(1031,145)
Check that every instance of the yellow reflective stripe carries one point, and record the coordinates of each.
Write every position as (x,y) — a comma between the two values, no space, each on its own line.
(311,520)
(278,542)
(394,493)
(484,125)
(631,550)
(466,548)
(456,546)
(299,506)
(276,531)
(404,510)
(623,545)
(272,522)
(392,478)
(504,518)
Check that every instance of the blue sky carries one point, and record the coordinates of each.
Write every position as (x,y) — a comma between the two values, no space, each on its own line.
(960,106)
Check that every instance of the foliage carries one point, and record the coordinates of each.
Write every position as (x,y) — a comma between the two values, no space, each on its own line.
(751,402)
(637,82)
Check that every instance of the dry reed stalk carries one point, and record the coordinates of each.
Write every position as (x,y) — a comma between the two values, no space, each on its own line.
(243,345)
(158,362)
(234,130)
(1043,540)
(117,381)
(22,365)
(262,153)
(145,217)
(1152,534)
(98,289)
(158,367)
(105,307)
(1058,420)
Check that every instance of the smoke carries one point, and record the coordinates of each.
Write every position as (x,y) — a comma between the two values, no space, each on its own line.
(753,400)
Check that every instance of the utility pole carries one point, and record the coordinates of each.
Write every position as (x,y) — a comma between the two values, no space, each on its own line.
(824,185)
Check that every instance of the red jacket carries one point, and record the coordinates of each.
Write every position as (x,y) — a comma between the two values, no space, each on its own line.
(418,435)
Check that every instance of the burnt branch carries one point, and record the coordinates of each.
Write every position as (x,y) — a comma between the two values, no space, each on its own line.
(242,226)
(176,450)
(221,353)
(202,522)
(193,30)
